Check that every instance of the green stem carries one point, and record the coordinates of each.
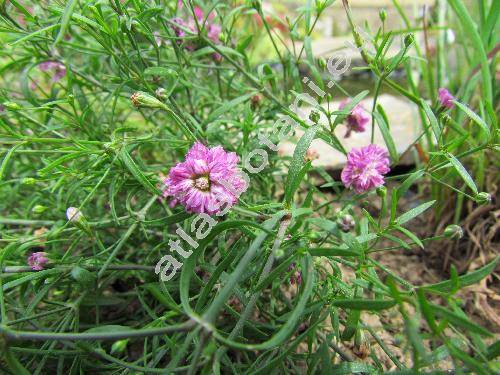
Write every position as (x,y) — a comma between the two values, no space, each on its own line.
(15,335)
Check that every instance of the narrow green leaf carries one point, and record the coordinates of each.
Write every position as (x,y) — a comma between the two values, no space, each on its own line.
(436,129)
(364,304)
(160,71)
(464,280)
(348,368)
(14,364)
(474,117)
(298,161)
(462,172)
(68,11)
(478,367)
(408,182)
(5,161)
(469,25)
(407,216)
(230,105)
(61,160)
(332,252)
(411,236)
(33,34)
(426,310)
(458,320)
(386,134)
(350,105)
(136,172)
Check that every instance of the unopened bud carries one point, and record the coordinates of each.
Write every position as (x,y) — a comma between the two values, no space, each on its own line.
(311,155)
(382,14)
(142,99)
(453,231)
(38,209)
(28,181)
(74,214)
(255,101)
(12,106)
(346,223)
(76,217)
(314,116)
(279,253)
(409,39)
(217,57)
(483,198)
(162,94)
(314,236)
(381,191)
(446,118)
(322,63)
(119,346)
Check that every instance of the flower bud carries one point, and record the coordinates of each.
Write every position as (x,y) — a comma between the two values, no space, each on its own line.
(314,116)
(255,101)
(38,209)
(409,39)
(446,119)
(483,198)
(321,63)
(74,215)
(217,57)
(314,236)
(382,15)
(346,223)
(161,93)
(311,154)
(381,191)
(28,181)
(119,346)
(279,253)
(76,218)
(12,106)
(142,99)
(37,260)
(453,231)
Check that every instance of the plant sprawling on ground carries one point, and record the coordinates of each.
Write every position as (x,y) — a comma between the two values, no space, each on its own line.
(123,122)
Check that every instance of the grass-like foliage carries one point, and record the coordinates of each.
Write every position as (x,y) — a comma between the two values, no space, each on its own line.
(100,99)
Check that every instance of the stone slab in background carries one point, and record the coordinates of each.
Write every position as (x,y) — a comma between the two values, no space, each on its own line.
(404,127)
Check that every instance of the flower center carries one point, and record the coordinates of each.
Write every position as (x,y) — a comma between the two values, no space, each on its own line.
(202,183)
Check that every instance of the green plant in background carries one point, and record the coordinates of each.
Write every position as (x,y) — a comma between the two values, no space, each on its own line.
(100,99)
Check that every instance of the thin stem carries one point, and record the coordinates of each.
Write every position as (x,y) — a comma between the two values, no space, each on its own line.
(15,335)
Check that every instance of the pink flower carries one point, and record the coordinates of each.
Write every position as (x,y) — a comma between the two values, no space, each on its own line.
(217,57)
(365,168)
(357,118)
(213,32)
(296,276)
(445,98)
(37,260)
(177,30)
(56,67)
(198,13)
(206,181)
